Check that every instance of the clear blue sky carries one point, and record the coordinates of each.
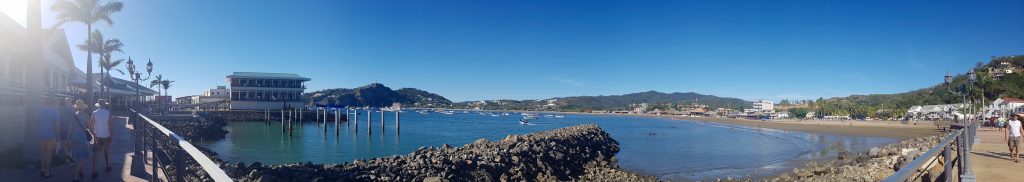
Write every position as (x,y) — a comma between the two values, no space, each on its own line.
(525,49)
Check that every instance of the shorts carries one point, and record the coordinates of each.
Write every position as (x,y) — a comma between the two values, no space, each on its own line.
(101,144)
(1014,142)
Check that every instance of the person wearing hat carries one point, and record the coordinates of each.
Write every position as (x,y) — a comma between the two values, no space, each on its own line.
(1012,137)
(101,127)
(80,138)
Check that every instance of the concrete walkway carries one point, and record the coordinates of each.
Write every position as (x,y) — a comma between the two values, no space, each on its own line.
(121,148)
(991,158)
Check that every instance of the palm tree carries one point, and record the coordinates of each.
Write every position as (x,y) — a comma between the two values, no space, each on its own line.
(166,84)
(86,12)
(107,65)
(157,82)
(104,48)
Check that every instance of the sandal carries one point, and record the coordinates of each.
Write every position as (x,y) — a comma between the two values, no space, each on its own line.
(94,175)
(108,169)
(47,176)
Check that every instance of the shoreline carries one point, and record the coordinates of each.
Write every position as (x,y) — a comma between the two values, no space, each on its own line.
(849,127)
(859,128)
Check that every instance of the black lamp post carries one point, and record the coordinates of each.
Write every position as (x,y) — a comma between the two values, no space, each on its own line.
(137,76)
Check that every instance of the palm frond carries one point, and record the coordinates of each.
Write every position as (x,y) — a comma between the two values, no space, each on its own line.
(116,69)
(103,12)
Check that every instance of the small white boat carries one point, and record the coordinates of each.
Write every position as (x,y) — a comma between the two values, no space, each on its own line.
(559,116)
(529,117)
(524,121)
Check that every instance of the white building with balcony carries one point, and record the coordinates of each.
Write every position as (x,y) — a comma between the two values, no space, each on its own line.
(261,91)
(764,106)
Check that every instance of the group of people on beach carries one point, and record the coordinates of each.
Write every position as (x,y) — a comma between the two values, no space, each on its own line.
(71,130)
(1012,134)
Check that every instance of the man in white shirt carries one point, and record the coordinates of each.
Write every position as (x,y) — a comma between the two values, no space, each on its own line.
(101,127)
(1012,137)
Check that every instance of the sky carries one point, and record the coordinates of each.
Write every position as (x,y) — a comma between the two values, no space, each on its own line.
(537,49)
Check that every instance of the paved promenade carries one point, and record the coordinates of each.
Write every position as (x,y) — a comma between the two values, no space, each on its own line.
(992,158)
(120,160)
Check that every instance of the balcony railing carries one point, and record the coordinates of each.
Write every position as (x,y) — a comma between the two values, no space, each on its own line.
(181,160)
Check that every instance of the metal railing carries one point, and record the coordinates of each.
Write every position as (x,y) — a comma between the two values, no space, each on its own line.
(168,148)
(955,148)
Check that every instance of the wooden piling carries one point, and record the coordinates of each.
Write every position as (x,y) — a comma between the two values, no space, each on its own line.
(382,121)
(397,123)
(282,121)
(355,113)
(337,116)
(369,126)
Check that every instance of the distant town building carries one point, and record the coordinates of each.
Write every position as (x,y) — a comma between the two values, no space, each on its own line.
(1004,107)
(764,106)
(260,91)
(1004,68)
(640,108)
(934,112)
(210,99)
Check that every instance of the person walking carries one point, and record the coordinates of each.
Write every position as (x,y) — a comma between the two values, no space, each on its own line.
(1012,137)
(101,127)
(67,120)
(1001,121)
(48,131)
(79,138)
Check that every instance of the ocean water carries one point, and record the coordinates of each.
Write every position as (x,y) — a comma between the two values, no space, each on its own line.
(667,148)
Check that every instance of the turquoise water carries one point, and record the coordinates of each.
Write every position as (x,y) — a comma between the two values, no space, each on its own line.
(677,149)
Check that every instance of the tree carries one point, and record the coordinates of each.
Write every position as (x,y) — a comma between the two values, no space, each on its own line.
(104,48)
(798,112)
(86,12)
(166,84)
(157,82)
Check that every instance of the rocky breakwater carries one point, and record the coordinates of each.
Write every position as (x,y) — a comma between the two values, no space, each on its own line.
(194,128)
(577,153)
(873,165)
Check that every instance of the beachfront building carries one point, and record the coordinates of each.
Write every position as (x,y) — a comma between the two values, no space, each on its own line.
(214,98)
(120,92)
(261,91)
(934,112)
(764,106)
(22,76)
(1004,107)
(639,108)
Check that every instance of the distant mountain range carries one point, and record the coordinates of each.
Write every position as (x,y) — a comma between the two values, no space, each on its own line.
(611,102)
(376,95)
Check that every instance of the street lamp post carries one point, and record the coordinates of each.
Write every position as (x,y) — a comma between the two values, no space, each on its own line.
(137,76)
(967,140)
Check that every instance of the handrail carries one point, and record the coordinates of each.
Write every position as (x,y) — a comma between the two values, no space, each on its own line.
(961,136)
(211,168)
(906,171)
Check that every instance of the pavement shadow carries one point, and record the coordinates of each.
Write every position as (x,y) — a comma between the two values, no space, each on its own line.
(995,155)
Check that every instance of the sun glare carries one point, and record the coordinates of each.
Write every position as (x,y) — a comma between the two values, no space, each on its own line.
(14,9)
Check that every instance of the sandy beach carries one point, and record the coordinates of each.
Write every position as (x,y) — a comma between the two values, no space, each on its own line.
(850,127)
(858,128)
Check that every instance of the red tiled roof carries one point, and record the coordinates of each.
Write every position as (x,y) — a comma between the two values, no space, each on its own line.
(1012,100)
